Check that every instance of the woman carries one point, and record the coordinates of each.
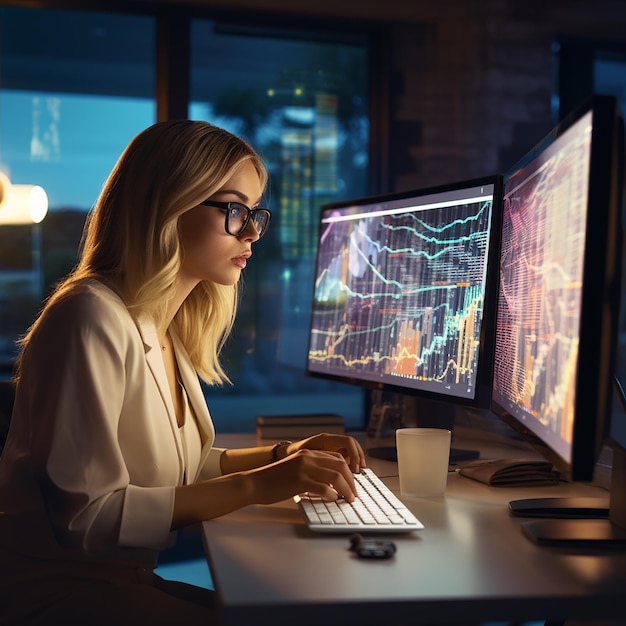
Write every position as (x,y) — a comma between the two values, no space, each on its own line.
(110,448)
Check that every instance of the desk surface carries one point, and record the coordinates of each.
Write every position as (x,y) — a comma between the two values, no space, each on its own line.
(470,563)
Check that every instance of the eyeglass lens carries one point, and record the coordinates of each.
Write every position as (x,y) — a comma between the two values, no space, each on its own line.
(238,217)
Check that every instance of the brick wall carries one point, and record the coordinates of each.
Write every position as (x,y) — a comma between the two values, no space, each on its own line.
(472,93)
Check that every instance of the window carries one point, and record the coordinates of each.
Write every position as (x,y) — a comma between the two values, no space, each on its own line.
(75,87)
(303,105)
(73,93)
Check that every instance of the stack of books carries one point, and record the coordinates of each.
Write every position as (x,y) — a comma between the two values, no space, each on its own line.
(295,427)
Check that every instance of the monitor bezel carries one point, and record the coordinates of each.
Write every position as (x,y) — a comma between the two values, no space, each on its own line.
(600,293)
(482,395)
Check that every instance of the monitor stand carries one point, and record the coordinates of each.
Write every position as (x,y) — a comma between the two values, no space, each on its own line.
(560,508)
(394,411)
(598,534)
(389,453)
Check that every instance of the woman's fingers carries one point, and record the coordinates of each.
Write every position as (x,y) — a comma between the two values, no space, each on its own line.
(327,474)
(347,446)
(322,472)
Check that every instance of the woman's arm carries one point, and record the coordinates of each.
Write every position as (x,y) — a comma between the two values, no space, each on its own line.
(236,460)
(321,472)
(322,464)
(240,459)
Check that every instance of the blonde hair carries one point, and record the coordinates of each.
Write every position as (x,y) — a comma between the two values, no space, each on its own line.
(131,240)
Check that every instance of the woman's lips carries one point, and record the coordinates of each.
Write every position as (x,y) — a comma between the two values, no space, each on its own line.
(241,261)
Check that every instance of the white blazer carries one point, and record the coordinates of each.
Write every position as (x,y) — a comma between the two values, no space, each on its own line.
(94,451)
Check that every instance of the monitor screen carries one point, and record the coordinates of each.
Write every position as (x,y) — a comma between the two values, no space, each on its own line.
(404,293)
(558,291)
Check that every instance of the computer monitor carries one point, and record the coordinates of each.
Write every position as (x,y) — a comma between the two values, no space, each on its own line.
(558,306)
(404,293)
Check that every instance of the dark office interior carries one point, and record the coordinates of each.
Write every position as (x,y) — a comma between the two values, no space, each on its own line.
(421,93)
(416,93)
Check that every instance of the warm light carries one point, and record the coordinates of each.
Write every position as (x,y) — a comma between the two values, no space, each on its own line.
(21,204)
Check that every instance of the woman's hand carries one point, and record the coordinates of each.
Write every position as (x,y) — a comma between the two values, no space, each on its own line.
(348,447)
(320,472)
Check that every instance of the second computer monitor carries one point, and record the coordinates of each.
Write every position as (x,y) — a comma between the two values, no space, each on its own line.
(404,294)
(559,288)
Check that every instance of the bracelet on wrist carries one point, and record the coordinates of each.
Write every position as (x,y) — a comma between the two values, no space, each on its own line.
(280,444)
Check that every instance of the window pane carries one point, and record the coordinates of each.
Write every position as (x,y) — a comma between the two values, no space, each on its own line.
(75,88)
(303,105)
(610,77)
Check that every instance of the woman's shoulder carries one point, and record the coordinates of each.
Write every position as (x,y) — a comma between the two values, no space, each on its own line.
(84,325)
(88,302)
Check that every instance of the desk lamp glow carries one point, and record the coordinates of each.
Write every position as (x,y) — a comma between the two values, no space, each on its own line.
(21,204)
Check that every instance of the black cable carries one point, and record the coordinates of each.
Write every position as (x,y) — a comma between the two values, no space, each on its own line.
(620,392)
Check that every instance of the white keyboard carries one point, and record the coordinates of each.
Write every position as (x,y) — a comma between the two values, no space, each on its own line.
(377,509)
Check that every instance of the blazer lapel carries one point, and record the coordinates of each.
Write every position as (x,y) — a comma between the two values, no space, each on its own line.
(150,339)
(190,380)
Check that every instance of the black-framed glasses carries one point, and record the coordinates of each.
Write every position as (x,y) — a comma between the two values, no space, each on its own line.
(238,215)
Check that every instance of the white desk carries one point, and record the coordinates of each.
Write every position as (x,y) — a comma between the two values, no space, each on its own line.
(471,563)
